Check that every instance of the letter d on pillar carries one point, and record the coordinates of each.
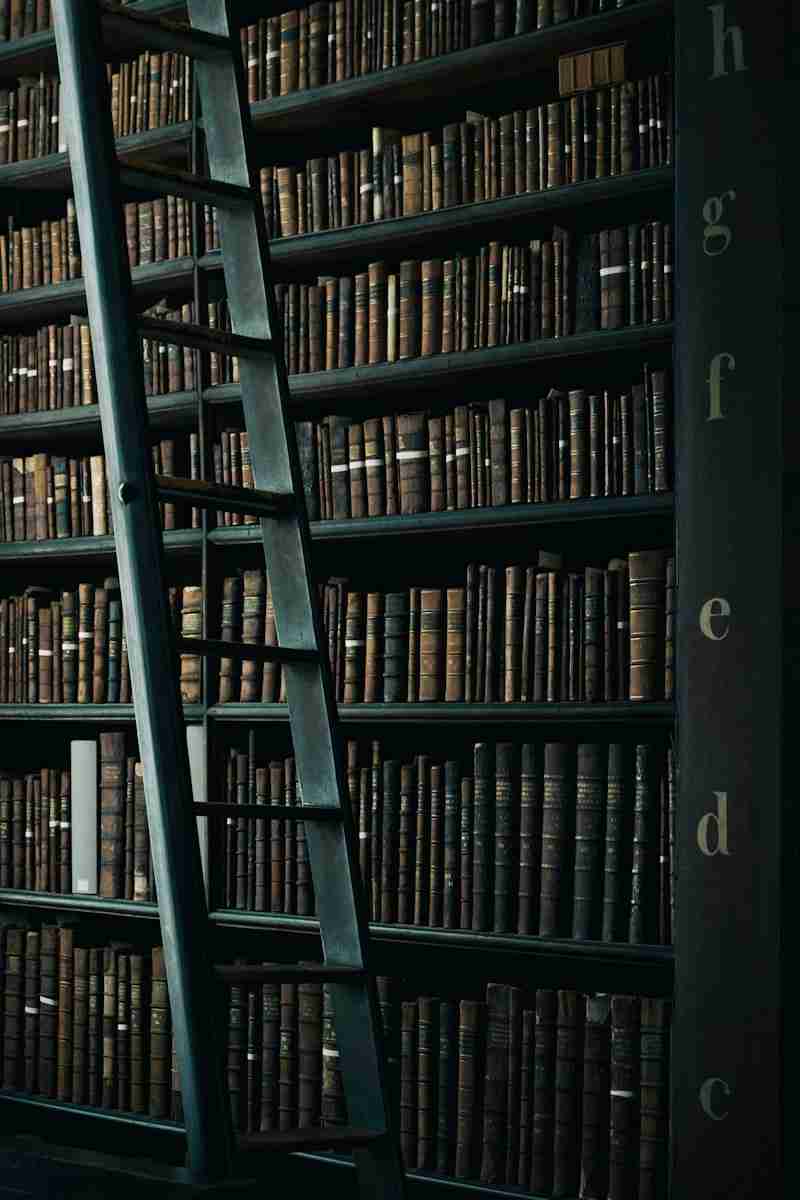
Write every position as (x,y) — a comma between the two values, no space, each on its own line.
(712,829)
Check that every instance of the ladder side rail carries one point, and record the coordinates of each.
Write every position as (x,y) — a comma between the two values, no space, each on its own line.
(140,561)
(314,721)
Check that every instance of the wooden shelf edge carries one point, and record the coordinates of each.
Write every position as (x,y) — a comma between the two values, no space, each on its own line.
(85,417)
(328,387)
(659,712)
(88,713)
(127,1118)
(468,520)
(61,901)
(74,549)
(312,250)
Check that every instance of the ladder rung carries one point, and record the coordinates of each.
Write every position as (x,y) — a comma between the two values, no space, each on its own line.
(200,337)
(147,177)
(241,650)
(131,30)
(269,812)
(225,499)
(287,973)
(335,1137)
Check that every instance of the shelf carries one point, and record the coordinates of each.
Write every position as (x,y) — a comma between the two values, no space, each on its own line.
(628,712)
(169,143)
(50,302)
(371,99)
(84,549)
(104,1114)
(95,714)
(467,520)
(63,902)
(315,252)
(38,428)
(322,390)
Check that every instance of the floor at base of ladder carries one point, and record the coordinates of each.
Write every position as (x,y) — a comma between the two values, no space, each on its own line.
(31,1169)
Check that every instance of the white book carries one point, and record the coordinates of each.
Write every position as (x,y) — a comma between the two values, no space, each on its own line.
(84,804)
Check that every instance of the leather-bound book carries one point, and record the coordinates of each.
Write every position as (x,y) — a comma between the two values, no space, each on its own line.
(284,778)
(270,1055)
(591,789)
(410,309)
(530,832)
(80,1027)
(624,1123)
(524,1114)
(373,676)
(110,1066)
(122,1024)
(569,1038)
(671,608)
(436,877)
(617,845)
(14,1008)
(356,471)
(235,1052)
(354,649)
(544,1070)
(647,612)
(455,644)
(654,1120)
(413,462)
(436,456)
(447,1086)
(482,838)
(130,763)
(471,1026)
(376,827)
(287,1080)
(377,312)
(450,856)
(495,1094)
(462,457)
(513,633)
(432,299)
(595,1098)
(272,679)
(395,647)
(138,1037)
(555,803)
(593,644)
(661,406)
(6,832)
(641,926)
(30,1022)
(513,1084)
(112,814)
(48,1010)
(423,842)
(389,424)
(390,836)
(309,1054)
(431,675)
(114,639)
(374,466)
(409,1098)
(427,1082)
(334,1105)
(94,1035)
(276,842)
(406,844)
(504,839)
(467,802)
(230,632)
(253,613)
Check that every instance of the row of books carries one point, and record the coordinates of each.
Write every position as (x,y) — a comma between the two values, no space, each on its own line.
(537,633)
(151,91)
(547,839)
(331,41)
(69,647)
(565,446)
(554,1091)
(500,296)
(49,253)
(37,812)
(46,496)
(588,136)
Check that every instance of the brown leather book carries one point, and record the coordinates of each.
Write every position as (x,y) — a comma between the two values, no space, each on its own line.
(617,849)
(406,844)
(482,837)
(513,632)
(555,831)
(506,831)
(230,632)
(110,1065)
(436,456)
(427,1084)
(495,1095)
(471,1027)
(413,464)
(654,1107)
(409,1097)
(334,1105)
(48,1010)
(373,661)
(354,649)
(30,1021)
(309,1054)
(669,630)
(80,1026)
(642,924)
(431,675)
(455,644)
(377,312)
(569,1039)
(543,1125)
(625,1097)
(647,615)
(191,616)
(287,1081)
(595,1098)
(374,468)
(390,464)
(112,814)
(591,789)
(13,1008)
(525,1109)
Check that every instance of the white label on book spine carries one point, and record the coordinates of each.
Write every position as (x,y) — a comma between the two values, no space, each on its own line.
(406,455)
(352,643)
(326,1051)
(613,270)
(47,1000)
(83,885)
